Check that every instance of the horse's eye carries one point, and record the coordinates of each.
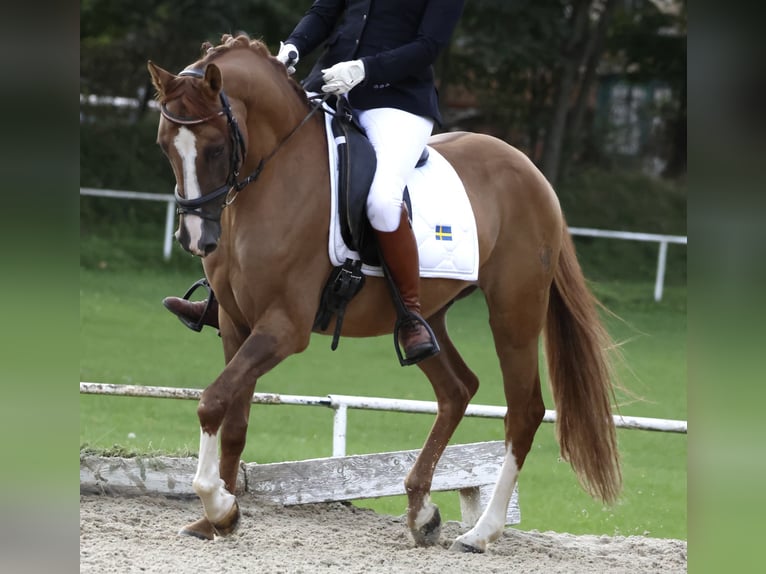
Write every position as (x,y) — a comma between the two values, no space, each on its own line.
(214,152)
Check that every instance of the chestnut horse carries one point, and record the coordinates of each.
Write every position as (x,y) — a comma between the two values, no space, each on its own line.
(263,242)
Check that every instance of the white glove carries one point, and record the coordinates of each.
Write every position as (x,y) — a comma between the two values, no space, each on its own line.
(342,77)
(288,55)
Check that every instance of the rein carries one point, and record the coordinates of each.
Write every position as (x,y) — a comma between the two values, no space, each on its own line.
(230,189)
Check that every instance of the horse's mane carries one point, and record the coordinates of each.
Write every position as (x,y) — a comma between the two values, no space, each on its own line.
(210,53)
(229,43)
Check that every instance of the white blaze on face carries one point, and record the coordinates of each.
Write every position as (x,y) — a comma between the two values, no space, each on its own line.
(186,145)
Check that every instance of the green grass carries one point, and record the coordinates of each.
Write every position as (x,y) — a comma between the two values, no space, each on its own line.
(127,337)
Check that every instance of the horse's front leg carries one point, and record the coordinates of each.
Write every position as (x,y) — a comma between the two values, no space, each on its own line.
(224,410)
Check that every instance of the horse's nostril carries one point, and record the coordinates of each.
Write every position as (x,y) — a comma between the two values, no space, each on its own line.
(208,248)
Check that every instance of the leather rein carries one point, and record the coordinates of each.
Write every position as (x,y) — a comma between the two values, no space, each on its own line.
(228,191)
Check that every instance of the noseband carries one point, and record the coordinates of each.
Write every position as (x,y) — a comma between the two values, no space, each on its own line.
(237,158)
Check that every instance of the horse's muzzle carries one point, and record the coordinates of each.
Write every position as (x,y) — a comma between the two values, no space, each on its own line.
(211,233)
(207,249)
(203,242)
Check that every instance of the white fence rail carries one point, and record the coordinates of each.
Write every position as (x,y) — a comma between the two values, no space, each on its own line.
(662,240)
(341,403)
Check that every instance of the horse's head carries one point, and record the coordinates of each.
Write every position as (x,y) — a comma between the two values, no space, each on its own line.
(201,136)
(205,146)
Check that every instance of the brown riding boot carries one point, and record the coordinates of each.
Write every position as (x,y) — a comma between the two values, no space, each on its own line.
(400,252)
(191,312)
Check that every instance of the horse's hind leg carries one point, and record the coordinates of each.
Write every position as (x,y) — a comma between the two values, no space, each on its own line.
(516,336)
(454,385)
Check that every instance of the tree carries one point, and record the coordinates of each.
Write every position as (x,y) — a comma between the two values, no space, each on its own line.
(117,37)
(501,56)
(648,46)
(573,53)
(533,68)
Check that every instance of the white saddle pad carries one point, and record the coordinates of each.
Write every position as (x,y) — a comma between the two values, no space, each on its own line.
(442,219)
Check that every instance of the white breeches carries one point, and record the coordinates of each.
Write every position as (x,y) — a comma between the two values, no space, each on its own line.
(398,138)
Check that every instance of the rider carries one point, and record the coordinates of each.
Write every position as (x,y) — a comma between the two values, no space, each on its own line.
(379,55)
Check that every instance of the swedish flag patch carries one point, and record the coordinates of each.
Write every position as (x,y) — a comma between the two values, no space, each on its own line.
(443,233)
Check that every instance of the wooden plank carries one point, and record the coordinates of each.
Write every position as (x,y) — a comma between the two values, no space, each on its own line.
(462,468)
(137,476)
(371,475)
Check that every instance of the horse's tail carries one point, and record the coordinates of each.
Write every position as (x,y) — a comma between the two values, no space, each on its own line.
(580,373)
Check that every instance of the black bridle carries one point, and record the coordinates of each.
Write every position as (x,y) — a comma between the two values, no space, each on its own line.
(237,158)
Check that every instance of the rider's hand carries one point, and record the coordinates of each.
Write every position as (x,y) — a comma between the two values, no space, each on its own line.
(342,77)
(288,55)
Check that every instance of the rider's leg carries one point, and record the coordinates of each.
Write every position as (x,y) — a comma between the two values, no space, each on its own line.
(192,311)
(398,138)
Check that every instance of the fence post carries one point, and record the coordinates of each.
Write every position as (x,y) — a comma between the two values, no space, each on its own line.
(661,261)
(169,218)
(339,430)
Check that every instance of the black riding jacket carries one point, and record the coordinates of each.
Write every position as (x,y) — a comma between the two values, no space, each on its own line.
(398,41)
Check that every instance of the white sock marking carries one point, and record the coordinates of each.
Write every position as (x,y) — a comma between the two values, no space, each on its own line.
(492,521)
(208,484)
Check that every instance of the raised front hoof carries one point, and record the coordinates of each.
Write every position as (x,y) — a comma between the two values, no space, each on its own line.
(458,546)
(206,530)
(428,534)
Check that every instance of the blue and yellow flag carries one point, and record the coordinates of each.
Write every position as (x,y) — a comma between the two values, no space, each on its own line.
(443,233)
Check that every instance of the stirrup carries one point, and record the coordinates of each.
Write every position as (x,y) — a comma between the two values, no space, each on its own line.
(404,315)
(407,317)
(197,325)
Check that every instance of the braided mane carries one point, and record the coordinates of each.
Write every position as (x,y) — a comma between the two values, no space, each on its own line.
(229,42)
(191,101)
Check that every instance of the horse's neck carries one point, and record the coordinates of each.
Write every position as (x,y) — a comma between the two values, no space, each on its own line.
(292,192)
(273,110)
(295,166)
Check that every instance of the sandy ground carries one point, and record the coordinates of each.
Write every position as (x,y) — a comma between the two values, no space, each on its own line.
(128,535)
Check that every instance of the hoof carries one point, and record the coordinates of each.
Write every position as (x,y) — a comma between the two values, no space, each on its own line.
(206,530)
(458,546)
(428,534)
(201,529)
(229,522)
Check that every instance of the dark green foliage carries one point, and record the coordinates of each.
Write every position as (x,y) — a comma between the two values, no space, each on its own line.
(625,201)
(121,156)
(118,155)
(505,52)
(117,37)
(506,59)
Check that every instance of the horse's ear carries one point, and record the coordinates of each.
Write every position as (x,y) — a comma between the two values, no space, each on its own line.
(213,79)
(160,78)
